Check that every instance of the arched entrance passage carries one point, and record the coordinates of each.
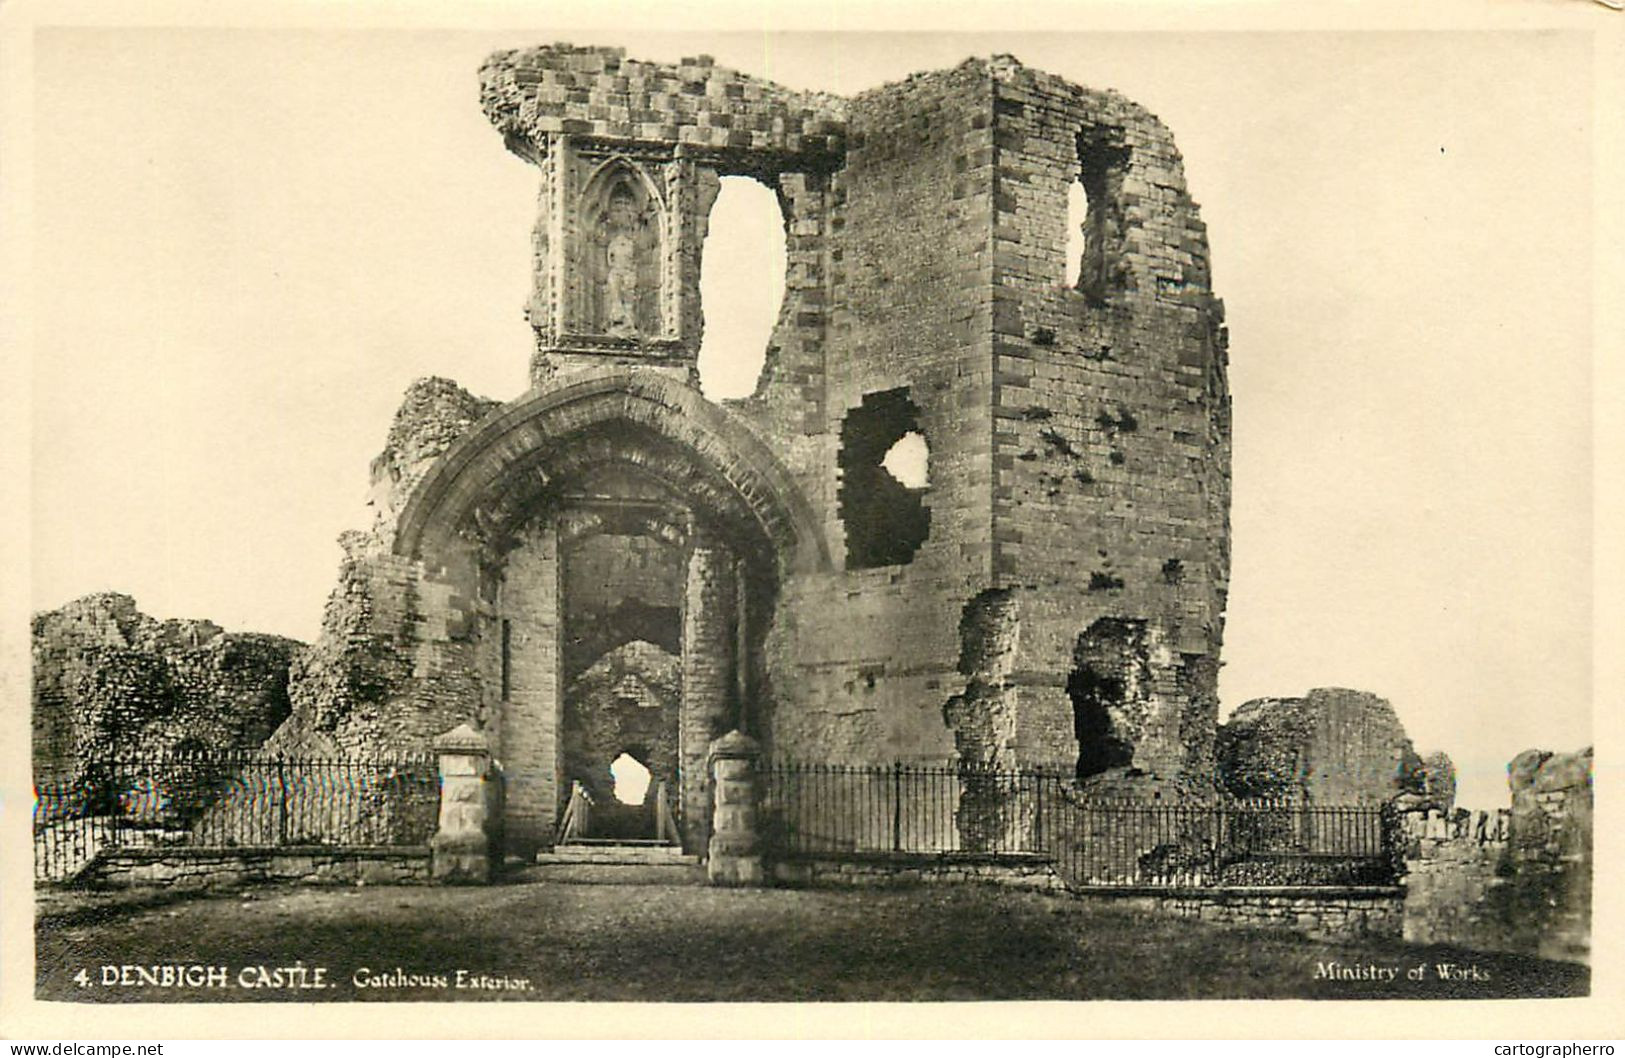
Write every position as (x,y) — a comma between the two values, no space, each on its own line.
(622,540)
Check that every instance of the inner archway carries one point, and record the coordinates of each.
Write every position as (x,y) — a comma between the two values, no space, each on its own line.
(623,553)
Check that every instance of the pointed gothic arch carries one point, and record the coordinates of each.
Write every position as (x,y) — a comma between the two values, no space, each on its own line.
(614,415)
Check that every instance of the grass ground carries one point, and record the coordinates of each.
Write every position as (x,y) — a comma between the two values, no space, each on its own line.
(686,943)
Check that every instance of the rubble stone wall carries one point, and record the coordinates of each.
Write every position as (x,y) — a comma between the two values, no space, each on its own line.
(854,872)
(1327,913)
(1517,881)
(110,679)
(1321,912)
(1332,746)
(232,868)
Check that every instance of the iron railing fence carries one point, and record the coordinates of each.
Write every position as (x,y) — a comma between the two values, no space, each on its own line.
(227,799)
(909,809)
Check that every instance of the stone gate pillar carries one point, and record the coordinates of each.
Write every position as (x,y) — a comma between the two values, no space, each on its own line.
(735,853)
(460,849)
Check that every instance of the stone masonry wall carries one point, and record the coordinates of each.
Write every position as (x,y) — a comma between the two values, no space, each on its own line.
(1321,912)
(1078,438)
(528,720)
(1332,746)
(627,701)
(1008,872)
(1455,874)
(434,412)
(109,679)
(183,868)
(1551,844)
(1111,442)
(925,221)
(1517,881)
(862,664)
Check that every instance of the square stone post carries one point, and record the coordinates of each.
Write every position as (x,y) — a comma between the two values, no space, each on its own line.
(461,851)
(735,853)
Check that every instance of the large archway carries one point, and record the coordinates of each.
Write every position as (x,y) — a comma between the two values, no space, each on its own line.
(622,540)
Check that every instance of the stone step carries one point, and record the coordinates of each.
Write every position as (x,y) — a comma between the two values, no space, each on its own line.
(611,874)
(617,843)
(629,855)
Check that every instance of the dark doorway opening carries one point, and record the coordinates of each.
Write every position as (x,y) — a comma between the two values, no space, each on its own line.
(1110,675)
(622,602)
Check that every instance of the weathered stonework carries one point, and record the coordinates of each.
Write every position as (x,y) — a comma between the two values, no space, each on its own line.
(628,701)
(1052,594)
(1034,874)
(1516,881)
(1322,912)
(109,680)
(210,868)
(1332,746)
(469,801)
(734,856)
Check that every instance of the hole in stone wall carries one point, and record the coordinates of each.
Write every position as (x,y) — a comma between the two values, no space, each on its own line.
(1102,159)
(741,286)
(1110,674)
(631,779)
(907,460)
(1077,218)
(882,451)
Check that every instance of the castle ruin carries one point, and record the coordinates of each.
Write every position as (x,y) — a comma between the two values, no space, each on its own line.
(612,562)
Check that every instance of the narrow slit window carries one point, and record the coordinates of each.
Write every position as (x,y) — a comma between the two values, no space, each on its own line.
(1077,221)
(1095,212)
(507,659)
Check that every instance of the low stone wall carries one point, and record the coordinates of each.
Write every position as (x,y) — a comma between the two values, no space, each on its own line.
(1018,872)
(1318,911)
(1322,912)
(1456,893)
(1516,881)
(200,868)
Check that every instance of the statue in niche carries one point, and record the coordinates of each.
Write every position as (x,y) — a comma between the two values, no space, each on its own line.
(627,278)
(621,262)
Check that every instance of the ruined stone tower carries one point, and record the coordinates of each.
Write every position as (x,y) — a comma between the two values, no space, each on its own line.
(610,562)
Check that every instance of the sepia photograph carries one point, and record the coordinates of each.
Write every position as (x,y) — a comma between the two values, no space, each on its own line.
(563,515)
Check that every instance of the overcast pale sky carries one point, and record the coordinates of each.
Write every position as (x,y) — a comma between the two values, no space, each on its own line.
(247,243)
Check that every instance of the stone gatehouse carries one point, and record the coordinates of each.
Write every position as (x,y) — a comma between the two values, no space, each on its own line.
(610,563)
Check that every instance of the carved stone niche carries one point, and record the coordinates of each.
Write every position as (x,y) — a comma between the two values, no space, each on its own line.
(619,264)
